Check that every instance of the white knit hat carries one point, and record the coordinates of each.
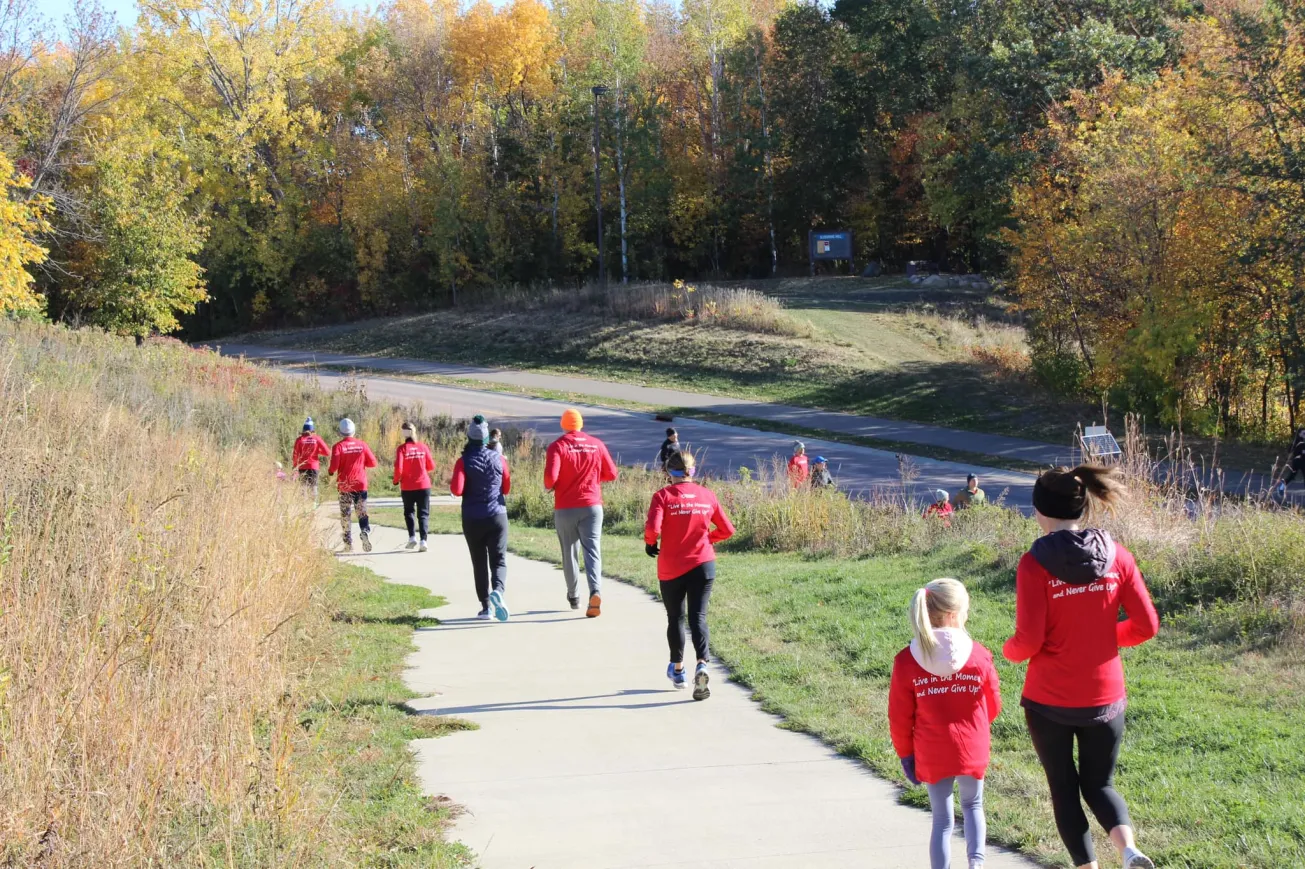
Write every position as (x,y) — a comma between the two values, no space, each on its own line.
(347,427)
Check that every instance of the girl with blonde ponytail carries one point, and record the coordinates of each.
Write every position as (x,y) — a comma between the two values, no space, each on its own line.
(943,699)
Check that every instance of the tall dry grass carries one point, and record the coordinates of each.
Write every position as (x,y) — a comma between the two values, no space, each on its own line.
(156,586)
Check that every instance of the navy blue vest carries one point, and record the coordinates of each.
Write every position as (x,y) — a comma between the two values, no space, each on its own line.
(482,496)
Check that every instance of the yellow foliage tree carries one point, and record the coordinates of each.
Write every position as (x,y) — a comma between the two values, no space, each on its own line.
(21,218)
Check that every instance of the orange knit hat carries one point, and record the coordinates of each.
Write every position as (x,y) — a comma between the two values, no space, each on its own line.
(572,420)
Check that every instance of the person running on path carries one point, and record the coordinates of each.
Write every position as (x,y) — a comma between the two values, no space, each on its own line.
(941,507)
(970,495)
(669,446)
(689,520)
(1069,588)
(942,734)
(350,459)
(412,467)
(1295,462)
(307,455)
(481,478)
(575,467)
(820,476)
(798,467)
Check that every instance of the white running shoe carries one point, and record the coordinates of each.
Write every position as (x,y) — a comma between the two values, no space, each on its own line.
(422,547)
(700,680)
(367,542)
(1135,859)
(412,543)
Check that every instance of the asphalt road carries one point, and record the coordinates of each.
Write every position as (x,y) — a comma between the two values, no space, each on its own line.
(634,438)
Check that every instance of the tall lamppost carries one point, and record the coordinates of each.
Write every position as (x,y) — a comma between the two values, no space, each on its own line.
(599,90)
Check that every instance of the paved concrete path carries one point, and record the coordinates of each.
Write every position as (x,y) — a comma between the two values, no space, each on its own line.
(842,423)
(586,758)
(634,439)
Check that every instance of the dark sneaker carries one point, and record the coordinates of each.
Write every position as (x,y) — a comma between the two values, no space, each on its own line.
(484,615)
(367,542)
(574,601)
(678,678)
(595,606)
(700,679)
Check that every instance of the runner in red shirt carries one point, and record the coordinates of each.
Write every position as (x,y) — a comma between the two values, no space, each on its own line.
(576,466)
(350,459)
(798,467)
(412,467)
(683,515)
(942,701)
(1069,588)
(307,454)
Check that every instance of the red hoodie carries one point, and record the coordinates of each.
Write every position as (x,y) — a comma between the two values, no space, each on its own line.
(308,452)
(350,458)
(412,466)
(944,720)
(1069,629)
(576,466)
(683,513)
(798,470)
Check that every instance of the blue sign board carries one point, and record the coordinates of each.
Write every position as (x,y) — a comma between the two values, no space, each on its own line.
(829,246)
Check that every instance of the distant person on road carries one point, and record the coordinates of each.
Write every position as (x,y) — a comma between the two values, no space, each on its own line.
(350,459)
(669,446)
(941,507)
(820,476)
(970,495)
(1295,462)
(943,735)
(482,479)
(575,467)
(1069,588)
(307,455)
(412,467)
(798,467)
(689,520)
(496,440)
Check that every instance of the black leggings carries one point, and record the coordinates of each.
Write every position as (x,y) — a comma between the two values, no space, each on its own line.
(1093,777)
(416,503)
(696,586)
(487,542)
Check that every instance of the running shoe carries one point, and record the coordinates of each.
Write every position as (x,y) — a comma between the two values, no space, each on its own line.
(574,601)
(1137,860)
(484,615)
(678,677)
(412,543)
(595,606)
(367,542)
(423,547)
(700,679)
(496,604)
(346,545)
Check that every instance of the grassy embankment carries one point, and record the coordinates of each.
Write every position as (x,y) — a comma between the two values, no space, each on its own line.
(185,678)
(810,607)
(879,347)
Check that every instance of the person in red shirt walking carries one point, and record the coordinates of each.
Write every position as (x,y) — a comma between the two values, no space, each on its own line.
(307,454)
(412,467)
(941,507)
(576,466)
(350,459)
(942,700)
(1069,588)
(689,520)
(799,469)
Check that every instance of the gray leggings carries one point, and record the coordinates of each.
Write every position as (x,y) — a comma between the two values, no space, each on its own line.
(944,820)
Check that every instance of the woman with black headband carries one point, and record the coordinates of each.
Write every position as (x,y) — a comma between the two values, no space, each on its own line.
(1069,588)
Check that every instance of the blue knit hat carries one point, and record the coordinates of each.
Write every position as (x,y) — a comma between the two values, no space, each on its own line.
(308,424)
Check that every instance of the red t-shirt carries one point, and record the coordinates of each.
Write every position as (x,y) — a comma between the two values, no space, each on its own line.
(683,515)
(576,466)
(412,466)
(308,452)
(351,458)
(798,470)
(1071,634)
(945,721)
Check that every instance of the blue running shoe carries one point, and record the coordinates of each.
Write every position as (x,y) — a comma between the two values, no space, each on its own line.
(496,604)
(700,679)
(678,677)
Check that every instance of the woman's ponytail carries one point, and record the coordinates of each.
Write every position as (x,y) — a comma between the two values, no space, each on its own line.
(1068,494)
(921,626)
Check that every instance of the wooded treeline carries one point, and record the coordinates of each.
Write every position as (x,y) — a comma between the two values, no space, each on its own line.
(1133,164)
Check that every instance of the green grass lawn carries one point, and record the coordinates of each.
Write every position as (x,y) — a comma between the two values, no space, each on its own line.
(357,730)
(1212,766)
